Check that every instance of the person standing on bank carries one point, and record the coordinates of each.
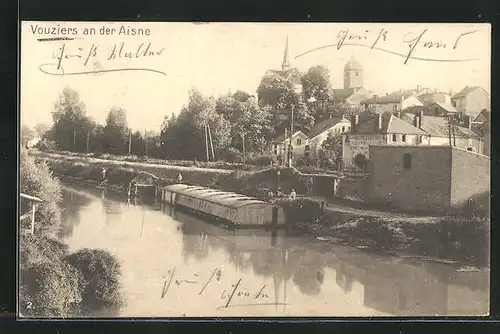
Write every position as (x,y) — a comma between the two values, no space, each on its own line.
(293,195)
(179,178)
(103,173)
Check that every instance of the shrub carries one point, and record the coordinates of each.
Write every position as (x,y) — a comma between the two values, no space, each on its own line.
(50,289)
(261,159)
(36,180)
(46,145)
(231,154)
(35,250)
(101,272)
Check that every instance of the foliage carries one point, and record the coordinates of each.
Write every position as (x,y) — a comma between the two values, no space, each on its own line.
(330,151)
(71,125)
(36,180)
(46,145)
(100,271)
(184,136)
(231,154)
(261,159)
(50,289)
(116,132)
(361,161)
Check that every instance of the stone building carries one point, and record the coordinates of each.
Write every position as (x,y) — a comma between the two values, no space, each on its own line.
(435,179)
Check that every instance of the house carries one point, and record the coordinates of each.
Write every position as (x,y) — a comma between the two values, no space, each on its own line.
(432,97)
(437,179)
(481,126)
(281,143)
(471,101)
(440,131)
(440,109)
(483,116)
(378,129)
(392,102)
(319,133)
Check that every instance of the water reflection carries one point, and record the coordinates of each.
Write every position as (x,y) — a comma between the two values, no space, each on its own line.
(306,277)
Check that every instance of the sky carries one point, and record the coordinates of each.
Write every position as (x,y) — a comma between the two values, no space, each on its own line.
(218,58)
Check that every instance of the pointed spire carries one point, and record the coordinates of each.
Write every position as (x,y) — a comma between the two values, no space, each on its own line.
(286,60)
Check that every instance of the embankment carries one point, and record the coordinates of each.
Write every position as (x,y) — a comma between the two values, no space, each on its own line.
(460,239)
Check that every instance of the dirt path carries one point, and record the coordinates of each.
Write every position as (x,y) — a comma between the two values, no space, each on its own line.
(392,216)
(131,164)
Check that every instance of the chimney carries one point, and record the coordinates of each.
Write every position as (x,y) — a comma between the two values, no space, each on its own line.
(420,118)
(379,123)
(354,122)
(467,121)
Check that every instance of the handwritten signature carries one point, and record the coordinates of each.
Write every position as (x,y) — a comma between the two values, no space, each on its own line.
(65,54)
(375,42)
(255,298)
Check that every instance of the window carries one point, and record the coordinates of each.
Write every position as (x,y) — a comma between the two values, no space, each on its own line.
(299,141)
(395,107)
(419,140)
(403,138)
(275,148)
(469,149)
(307,148)
(356,73)
(343,129)
(394,138)
(407,161)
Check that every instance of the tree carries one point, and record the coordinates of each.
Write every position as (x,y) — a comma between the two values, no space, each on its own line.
(361,161)
(41,129)
(279,94)
(71,125)
(186,136)
(116,132)
(330,151)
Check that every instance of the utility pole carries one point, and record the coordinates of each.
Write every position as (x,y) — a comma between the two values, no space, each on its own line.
(88,138)
(243,142)
(74,140)
(211,142)
(146,140)
(290,147)
(129,141)
(206,142)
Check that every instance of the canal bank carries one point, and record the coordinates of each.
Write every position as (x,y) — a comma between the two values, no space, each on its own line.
(460,239)
(291,273)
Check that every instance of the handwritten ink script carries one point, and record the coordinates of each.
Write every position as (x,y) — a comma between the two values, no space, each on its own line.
(385,41)
(236,292)
(89,60)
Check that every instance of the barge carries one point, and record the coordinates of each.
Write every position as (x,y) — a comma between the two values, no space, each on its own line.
(231,208)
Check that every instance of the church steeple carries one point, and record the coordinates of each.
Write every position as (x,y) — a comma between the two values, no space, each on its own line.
(286,60)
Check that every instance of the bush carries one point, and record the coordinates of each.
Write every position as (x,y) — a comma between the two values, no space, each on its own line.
(50,289)
(36,250)
(36,180)
(46,145)
(261,159)
(231,154)
(101,272)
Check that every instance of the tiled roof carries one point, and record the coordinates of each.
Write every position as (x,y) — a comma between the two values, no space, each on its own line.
(438,126)
(446,106)
(291,74)
(390,124)
(391,98)
(281,137)
(483,116)
(340,95)
(324,126)
(466,91)
(397,125)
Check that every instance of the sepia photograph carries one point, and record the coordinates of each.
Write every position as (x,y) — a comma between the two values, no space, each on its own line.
(203,169)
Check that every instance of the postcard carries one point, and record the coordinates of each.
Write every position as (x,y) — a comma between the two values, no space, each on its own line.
(203,169)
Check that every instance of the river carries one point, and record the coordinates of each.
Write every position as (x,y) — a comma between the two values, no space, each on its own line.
(175,265)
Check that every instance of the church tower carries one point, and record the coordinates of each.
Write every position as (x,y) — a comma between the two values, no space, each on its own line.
(353,75)
(286,61)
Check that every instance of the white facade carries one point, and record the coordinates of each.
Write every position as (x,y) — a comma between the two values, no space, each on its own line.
(316,141)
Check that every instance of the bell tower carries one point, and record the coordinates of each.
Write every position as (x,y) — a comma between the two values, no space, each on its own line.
(353,75)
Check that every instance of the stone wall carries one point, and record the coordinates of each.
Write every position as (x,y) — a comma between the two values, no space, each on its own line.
(353,144)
